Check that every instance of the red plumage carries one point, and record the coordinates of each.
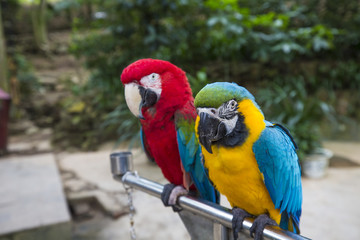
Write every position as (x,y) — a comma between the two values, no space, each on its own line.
(159,126)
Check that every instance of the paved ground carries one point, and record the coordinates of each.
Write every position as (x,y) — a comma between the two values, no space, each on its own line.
(329,210)
(348,150)
(32,196)
(331,206)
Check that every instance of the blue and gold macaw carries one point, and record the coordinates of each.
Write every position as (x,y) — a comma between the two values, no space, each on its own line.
(251,161)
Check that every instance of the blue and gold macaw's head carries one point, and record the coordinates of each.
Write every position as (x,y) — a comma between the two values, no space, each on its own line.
(222,108)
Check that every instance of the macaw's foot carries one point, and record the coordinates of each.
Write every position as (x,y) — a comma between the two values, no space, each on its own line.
(237,222)
(170,195)
(259,224)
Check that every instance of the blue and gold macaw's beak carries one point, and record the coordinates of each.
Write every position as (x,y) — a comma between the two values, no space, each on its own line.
(138,97)
(210,130)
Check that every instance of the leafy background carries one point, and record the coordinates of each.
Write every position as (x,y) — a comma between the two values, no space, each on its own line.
(300,59)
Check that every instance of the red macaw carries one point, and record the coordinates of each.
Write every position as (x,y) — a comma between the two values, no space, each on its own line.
(159,94)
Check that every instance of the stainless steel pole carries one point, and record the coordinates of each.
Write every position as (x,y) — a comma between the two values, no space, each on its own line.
(206,209)
(209,210)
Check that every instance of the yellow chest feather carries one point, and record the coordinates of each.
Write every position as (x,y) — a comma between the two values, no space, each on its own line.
(236,175)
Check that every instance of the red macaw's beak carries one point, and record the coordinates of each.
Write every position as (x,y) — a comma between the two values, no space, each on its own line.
(137,98)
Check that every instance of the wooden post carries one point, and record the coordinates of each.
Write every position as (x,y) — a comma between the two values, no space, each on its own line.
(4,83)
(4,119)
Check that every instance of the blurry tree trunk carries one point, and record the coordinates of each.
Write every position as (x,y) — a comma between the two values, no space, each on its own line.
(39,26)
(70,14)
(4,84)
(89,10)
(321,8)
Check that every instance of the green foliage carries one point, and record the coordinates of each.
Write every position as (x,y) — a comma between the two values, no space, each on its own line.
(292,105)
(66,5)
(124,124)
(198,81)
(191,32)
(80,120)
(24,84)
(242,41)
(235,33)
(339,75)
(24,73)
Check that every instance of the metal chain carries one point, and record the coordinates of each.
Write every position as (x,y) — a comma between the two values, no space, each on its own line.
(129,191)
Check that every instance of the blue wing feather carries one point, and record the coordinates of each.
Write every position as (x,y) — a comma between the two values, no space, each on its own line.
(142,135)
(277,160)
(190,154)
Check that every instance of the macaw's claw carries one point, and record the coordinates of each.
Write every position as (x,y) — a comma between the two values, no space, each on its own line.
(237,222)
(259,225)
(165,195)
(170,194)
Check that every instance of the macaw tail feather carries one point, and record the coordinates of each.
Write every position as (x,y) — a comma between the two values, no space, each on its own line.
(290,222)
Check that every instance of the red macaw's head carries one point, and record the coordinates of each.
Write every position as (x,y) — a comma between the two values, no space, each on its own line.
(154,87)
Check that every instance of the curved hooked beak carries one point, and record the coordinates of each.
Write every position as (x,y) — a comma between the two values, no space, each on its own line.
(210,130)
(137,97)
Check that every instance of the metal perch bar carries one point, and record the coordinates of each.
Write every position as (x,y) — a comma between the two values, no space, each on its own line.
(121,166)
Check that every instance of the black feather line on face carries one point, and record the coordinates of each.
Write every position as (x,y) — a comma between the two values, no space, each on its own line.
(228,110)
(238,136)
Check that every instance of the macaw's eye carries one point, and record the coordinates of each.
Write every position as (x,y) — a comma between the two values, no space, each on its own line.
(154,76)
(152,80)
(232,105)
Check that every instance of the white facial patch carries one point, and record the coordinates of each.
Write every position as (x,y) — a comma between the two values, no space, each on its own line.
(133,98)
(230,123)
(153,82)
(214,112)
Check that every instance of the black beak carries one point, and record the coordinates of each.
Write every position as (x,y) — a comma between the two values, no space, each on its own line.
(210,130)
(148,99)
